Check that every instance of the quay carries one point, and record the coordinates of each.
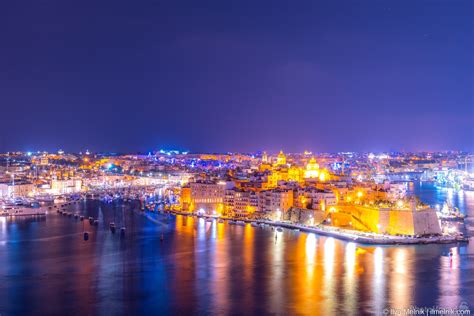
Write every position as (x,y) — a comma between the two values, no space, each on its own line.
(350,235)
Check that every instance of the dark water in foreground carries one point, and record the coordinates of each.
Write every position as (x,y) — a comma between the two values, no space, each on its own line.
(201,267)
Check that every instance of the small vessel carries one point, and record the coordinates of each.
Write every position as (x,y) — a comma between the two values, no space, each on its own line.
(210,220)
(220,221)
(279,229)
(231,222)
(91,220)
(96,222)
(22,209)
(112,227)
(254,224)
(86,236)
(81,218)
(450,213)
(241,223)
(59,200)
(122,230)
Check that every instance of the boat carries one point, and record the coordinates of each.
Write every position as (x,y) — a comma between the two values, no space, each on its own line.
(112,227)
(279,229)
(59,200)
(122,230)
(231,222)
(81,218)
(221,221)
(210,220)
(241,223)
(96,222)
(254,224)
(22,210)
(450,213)
(452,218)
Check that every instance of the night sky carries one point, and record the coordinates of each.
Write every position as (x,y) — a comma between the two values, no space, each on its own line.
(236,75)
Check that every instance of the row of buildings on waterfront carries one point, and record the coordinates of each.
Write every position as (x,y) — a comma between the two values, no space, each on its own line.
(359,191)
(310,195)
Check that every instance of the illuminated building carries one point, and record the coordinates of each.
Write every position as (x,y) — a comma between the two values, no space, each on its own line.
(281,159)
(275,176)
(295,174)
(387,220)
(65,186)
(207,196)
(264,167)
(240,203)
(312,169)
(185,199)
(19,189)
(275,200)
(313,198)
(44,161)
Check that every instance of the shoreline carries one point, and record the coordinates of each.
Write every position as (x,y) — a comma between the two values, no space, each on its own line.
(349,235)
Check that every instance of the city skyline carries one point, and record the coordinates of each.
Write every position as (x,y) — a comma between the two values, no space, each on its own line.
(168,157)
(321,76)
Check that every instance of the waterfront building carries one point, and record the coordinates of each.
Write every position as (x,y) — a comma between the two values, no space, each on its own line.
(207,196)
(276,200)
(17,189)
(65,186)
(185,199)
(402,219)
(240,203)
(314,198)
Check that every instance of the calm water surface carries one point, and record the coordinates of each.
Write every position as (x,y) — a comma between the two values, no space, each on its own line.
(201,267)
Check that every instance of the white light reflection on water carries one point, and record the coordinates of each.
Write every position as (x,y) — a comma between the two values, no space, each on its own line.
(400,281)
(328,277)
(350,286)
(310,257)
(449,279)
(3,222)
(378,281)
(278,265)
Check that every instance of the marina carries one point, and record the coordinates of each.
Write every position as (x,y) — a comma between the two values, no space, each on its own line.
(193,254)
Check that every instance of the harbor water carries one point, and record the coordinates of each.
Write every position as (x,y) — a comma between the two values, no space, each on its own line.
(181,265)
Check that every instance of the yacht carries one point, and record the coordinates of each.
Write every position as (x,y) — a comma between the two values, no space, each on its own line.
(22,210)
(450,213)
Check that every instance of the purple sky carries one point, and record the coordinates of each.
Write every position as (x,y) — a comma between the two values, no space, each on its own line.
(236,75)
